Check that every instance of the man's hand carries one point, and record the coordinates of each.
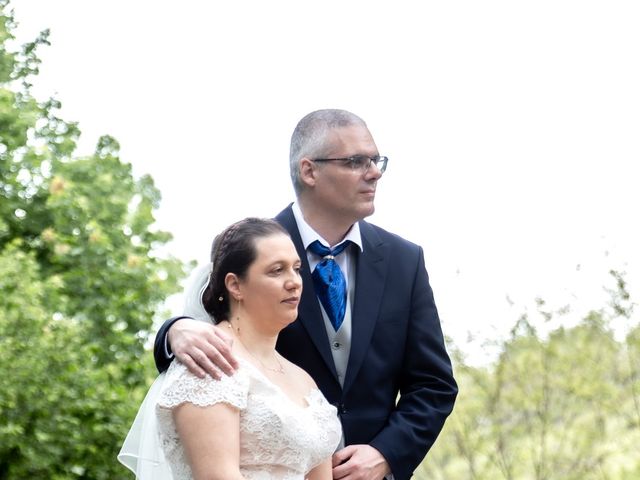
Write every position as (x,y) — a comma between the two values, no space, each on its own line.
(202,347)
(359,462)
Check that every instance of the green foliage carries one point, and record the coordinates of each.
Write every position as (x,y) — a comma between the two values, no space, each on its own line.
(63,413)
(565,405)
(80,286)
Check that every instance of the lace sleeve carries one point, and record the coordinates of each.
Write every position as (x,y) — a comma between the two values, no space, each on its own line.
(182,386)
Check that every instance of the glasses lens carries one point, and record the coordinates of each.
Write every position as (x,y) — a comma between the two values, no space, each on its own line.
(381,163)
(359,162)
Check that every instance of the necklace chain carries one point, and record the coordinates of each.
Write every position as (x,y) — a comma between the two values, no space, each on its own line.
(280,368)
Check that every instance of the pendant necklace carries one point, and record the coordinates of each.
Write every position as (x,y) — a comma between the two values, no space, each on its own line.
(280,368)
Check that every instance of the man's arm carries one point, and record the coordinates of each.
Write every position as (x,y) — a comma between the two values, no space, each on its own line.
(427,387)
(162,353)
(197,343)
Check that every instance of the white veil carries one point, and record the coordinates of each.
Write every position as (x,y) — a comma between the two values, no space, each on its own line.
(141,451)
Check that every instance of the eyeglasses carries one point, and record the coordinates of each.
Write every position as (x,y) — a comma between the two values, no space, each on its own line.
(361,163)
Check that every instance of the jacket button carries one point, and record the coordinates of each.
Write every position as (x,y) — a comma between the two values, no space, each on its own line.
(341,408)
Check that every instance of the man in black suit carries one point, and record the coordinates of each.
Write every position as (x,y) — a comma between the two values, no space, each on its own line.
(382,340)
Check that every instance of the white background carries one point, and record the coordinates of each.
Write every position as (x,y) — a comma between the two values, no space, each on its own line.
(513,128)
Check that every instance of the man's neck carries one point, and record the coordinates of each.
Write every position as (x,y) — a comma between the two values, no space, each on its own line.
(332,229)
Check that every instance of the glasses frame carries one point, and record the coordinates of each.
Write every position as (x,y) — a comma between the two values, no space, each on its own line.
(352,162)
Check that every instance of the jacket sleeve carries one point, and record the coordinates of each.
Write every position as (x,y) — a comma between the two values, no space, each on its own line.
(161,351)
(192,308)
(427,387)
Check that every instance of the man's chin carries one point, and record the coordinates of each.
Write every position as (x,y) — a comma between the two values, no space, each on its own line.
(367,210)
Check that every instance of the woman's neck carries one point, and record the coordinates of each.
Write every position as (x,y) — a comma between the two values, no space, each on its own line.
(260,345)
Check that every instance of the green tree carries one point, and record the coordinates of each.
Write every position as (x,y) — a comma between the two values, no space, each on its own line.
(80,285)
(558,406)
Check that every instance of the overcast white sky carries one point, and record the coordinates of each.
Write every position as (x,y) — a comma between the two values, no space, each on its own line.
(512,128)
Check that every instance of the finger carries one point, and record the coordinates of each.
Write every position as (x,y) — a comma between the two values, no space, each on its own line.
(222,334)
(226,349)
(225,338)
(217,354)
(342,455)
(342,471)
(191,365)
(211,361)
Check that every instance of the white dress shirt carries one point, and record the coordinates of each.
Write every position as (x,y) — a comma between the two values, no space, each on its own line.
(339,340)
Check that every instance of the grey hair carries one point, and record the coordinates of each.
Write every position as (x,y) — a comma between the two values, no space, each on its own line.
(309,138)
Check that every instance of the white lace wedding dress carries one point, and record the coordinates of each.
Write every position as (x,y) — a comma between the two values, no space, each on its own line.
(279,439)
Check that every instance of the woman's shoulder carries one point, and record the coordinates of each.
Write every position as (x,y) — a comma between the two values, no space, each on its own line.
(180,386)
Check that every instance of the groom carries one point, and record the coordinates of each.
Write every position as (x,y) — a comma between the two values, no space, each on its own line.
(368,330)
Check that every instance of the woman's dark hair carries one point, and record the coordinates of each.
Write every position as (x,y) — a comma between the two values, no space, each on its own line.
(233,251)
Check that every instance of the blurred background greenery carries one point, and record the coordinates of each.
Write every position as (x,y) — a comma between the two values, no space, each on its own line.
(81,282)
(557,403)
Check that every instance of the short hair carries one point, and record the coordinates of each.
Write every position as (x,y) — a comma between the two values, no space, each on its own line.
(309,138)
(233,251)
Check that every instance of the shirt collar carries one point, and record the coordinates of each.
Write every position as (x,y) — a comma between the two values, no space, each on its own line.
(309,235)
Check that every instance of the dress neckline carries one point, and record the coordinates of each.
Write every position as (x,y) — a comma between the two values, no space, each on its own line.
(307,398)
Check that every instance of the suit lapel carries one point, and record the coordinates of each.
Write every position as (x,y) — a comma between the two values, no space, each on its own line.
(309,313)
(371,271)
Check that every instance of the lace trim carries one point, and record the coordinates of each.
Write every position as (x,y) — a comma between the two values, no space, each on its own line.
(181,386)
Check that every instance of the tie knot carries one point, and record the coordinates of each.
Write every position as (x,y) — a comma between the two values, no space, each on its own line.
(326,252)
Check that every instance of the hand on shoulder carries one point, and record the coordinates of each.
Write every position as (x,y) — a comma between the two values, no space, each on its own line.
(202,347)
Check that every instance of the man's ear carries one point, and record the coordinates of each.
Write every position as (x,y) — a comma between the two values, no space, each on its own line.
(308,172)
(232,283)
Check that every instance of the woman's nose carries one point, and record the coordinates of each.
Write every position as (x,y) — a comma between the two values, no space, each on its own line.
(294,281)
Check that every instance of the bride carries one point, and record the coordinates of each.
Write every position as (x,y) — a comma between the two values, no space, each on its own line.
(267,421)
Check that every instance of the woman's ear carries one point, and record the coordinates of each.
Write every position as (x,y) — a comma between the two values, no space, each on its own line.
(232,282)
(307,172)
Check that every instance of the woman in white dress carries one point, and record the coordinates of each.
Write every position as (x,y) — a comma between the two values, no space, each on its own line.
(267,421)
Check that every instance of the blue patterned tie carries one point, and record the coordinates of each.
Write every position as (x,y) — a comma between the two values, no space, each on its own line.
(329,282)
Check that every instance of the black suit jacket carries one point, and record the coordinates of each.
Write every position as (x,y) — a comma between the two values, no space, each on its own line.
(397,348)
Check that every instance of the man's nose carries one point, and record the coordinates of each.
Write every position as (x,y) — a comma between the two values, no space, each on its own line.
(373,172)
